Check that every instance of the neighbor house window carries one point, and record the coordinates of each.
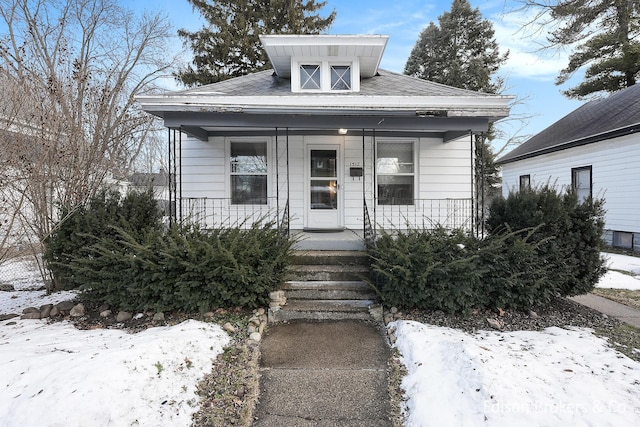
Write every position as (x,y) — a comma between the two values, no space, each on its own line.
(395,170)
(581,182)
(248,173)
(525,182)
(623,239)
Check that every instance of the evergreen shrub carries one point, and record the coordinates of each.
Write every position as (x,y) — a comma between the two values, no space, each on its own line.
(83,225)
(541,244)
(185,268)
(568,234)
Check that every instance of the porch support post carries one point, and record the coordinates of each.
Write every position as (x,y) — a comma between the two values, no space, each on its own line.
(364,191)
(373,183)
(170,178)
(277,179)
(288,187)
(180,169)
(474,208)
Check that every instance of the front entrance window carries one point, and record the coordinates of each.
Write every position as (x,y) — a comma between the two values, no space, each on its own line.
(396,173)
(249,173)
(324,181)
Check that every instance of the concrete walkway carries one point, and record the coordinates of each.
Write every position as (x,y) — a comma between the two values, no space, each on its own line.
(324,374)
(610,308)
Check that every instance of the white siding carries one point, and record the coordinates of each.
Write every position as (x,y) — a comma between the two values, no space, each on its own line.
(443,173)
(615,176)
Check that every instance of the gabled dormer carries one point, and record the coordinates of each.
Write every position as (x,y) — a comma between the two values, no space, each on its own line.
(325,63)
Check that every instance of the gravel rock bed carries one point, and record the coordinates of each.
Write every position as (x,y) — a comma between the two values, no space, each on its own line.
(561,312)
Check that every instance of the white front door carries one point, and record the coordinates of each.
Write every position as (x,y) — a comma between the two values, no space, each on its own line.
(323,185)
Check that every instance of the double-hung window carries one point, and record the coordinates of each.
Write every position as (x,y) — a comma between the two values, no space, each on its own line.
(581,182)
(525,182)
(248,173)
(395,171)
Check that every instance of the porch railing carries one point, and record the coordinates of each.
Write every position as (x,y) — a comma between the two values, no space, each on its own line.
(412,214)
(220,213)
(425,214)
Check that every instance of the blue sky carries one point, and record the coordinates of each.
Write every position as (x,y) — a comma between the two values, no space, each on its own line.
(529,74)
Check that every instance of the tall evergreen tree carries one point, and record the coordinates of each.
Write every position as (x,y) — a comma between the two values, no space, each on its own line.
(607,38)
(461,51)
(229,45)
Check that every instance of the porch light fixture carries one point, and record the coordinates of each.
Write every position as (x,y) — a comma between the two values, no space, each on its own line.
(343,131)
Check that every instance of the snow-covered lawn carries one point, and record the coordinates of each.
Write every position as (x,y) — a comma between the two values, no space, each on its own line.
(556,377)
(615,279)
(56,375)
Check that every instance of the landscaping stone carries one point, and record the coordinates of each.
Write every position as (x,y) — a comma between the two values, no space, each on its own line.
(29,310)
(31,315)
(54,311)
(495,324)
(104,307)
(7,317)
(158,317)
(123,316)
(6,288)
(45,310)
(65,306)
(255,336)
(229,328)
(78,310)
(105,313)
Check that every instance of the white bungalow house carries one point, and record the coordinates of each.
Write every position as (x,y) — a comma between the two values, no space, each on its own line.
(596,150)
(325,141)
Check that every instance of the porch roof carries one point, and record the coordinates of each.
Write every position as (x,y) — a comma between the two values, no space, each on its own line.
(386,102)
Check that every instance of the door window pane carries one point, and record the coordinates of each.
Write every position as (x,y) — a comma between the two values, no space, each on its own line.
(323,163)
(248,173)
(324,194)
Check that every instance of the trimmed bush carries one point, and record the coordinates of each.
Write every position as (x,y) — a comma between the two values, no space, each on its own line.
(568,234)
(185,268)
(82,226)
(541,245)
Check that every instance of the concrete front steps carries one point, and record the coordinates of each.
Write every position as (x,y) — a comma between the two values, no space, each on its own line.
(328,285)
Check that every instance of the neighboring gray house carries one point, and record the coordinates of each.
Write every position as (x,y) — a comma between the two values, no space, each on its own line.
(326,141)
(596,150)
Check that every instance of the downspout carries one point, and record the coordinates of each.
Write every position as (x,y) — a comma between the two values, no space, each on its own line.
(364,190)
(373,166)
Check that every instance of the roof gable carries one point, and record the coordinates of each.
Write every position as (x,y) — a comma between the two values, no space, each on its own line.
(594,121)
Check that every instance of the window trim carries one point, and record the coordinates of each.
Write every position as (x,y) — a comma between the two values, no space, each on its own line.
(574,175)
(414,174)
(325,64)
(229,173)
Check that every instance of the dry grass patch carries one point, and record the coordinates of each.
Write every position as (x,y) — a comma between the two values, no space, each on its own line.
(623,296)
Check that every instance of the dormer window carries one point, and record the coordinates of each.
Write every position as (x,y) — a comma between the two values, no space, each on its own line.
(340,77)
(325,76)
(310,77)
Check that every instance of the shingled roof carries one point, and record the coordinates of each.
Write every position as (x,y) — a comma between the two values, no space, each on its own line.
(267,83)
(616,115)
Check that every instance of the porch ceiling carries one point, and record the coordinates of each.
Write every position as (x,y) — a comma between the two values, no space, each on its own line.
(203,125)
